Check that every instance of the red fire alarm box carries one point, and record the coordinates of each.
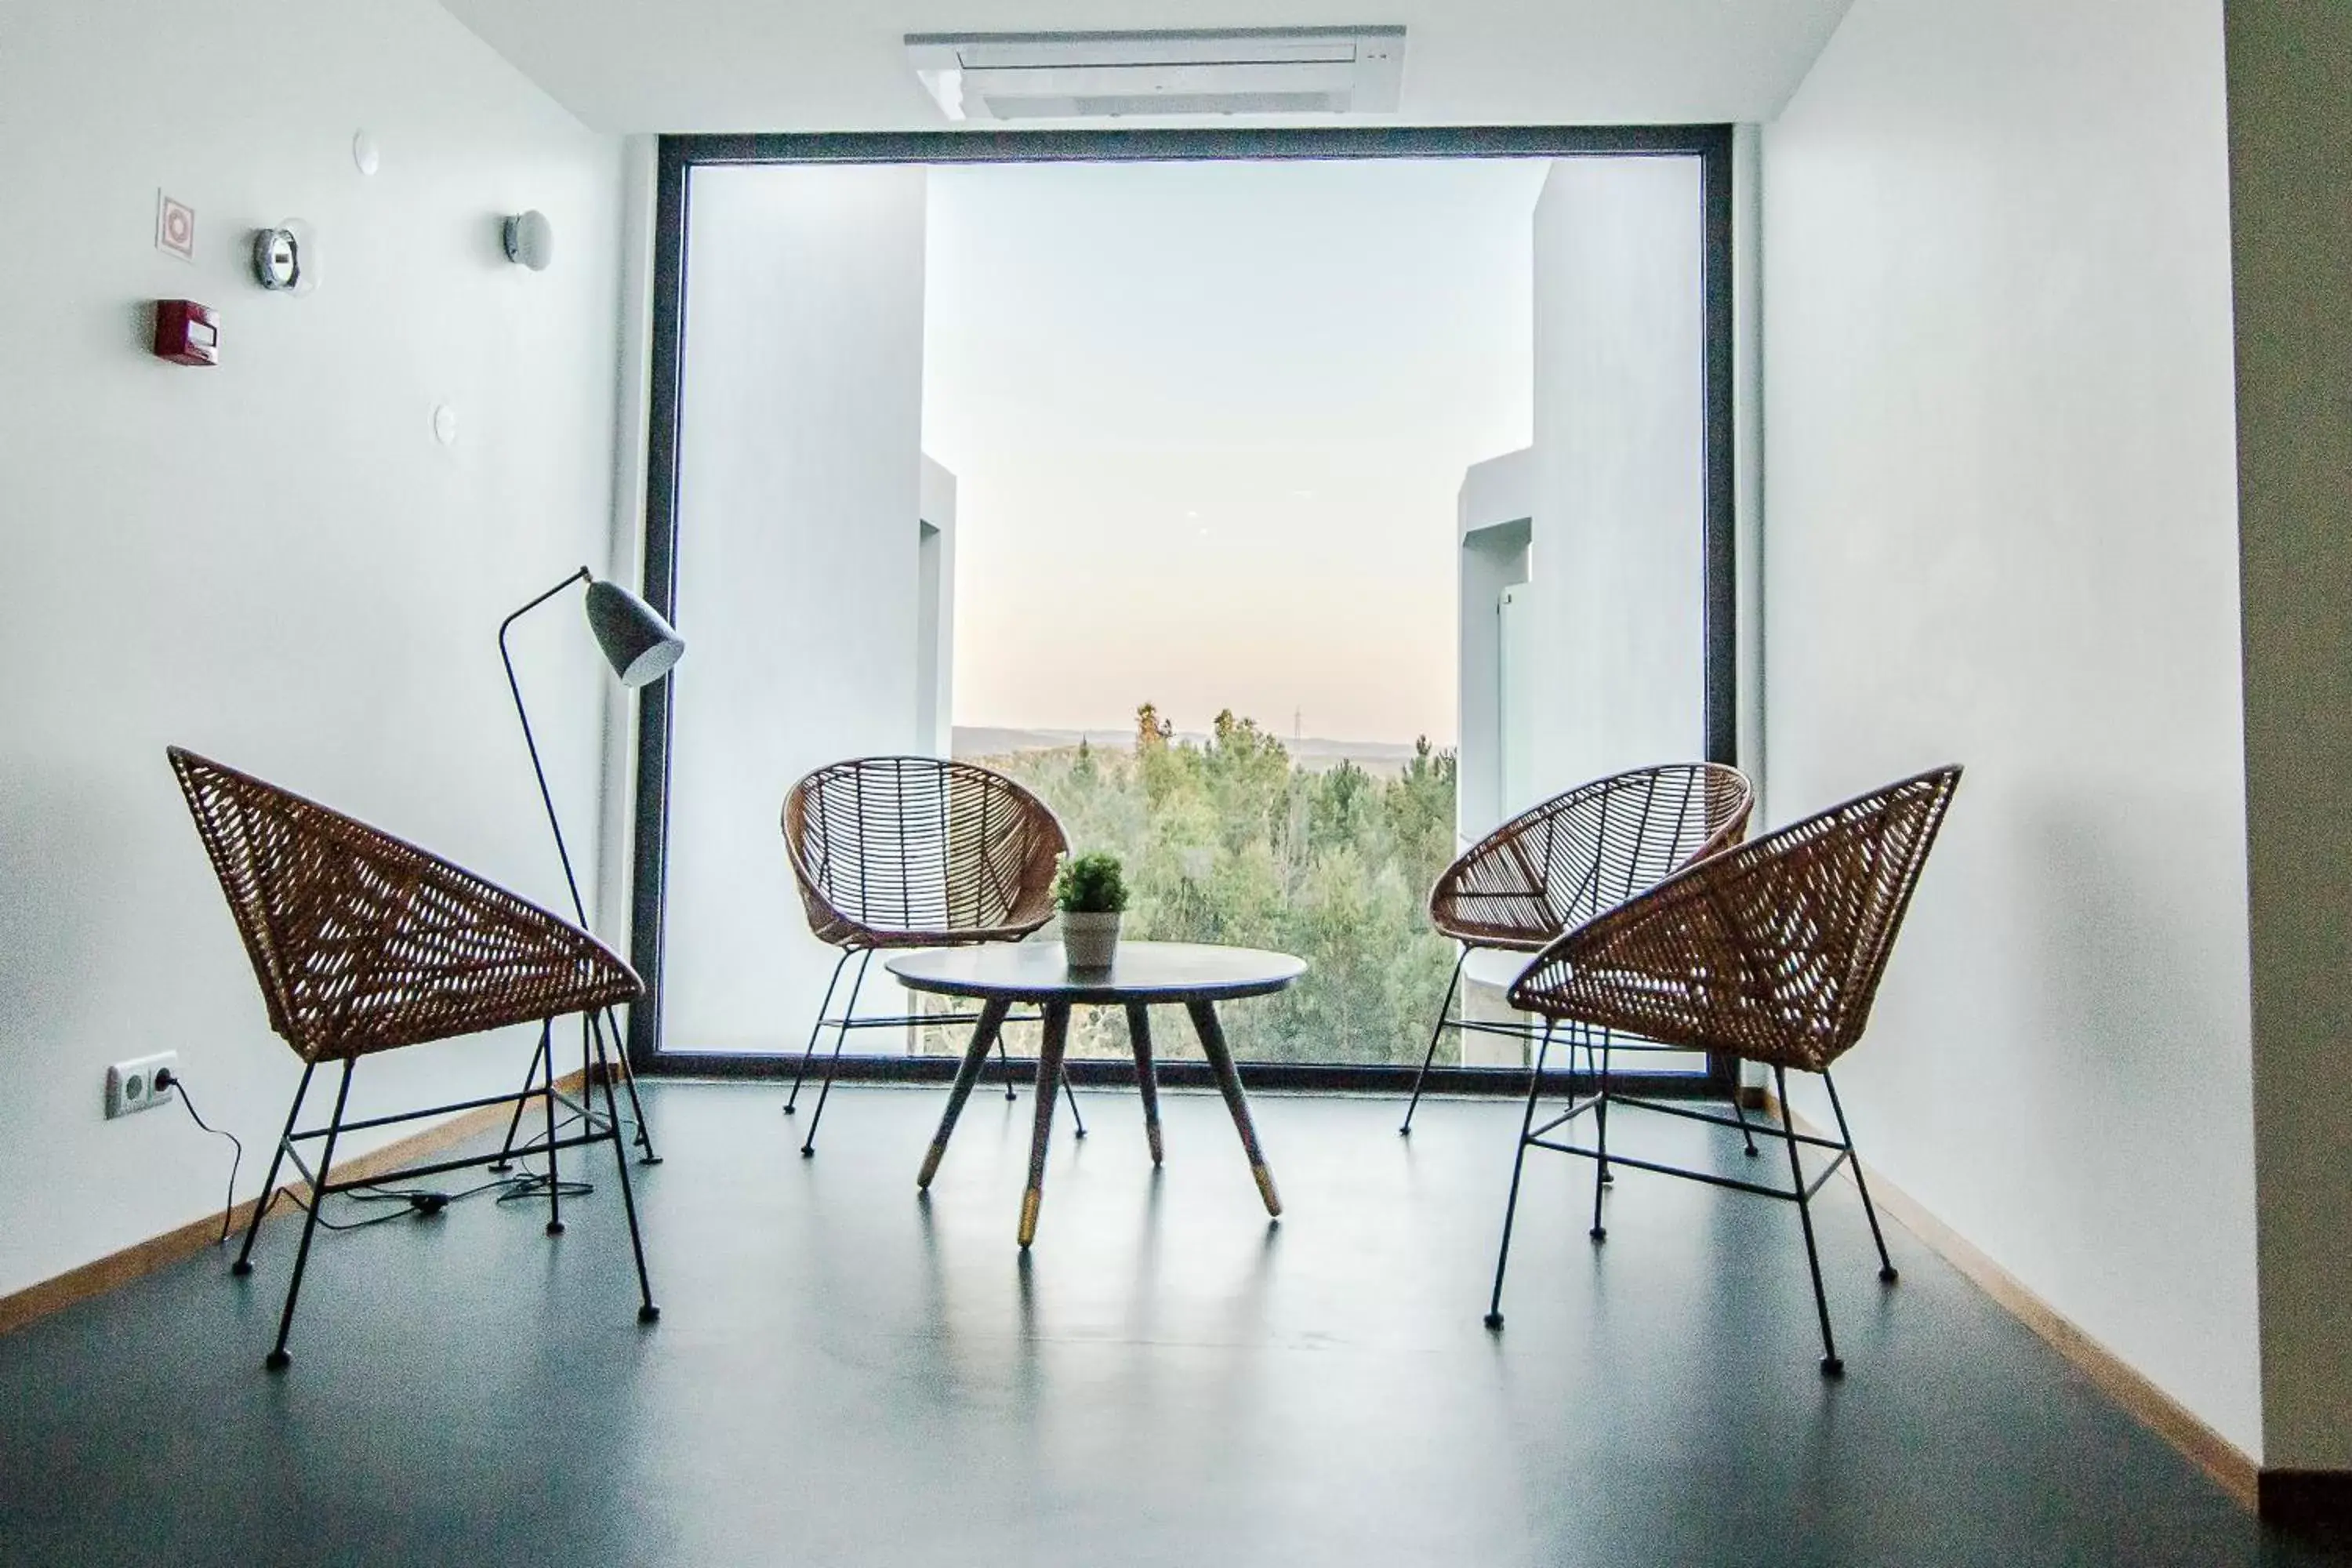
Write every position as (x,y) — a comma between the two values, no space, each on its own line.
(187,332)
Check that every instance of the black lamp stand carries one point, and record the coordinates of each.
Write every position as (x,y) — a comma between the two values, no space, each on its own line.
(603,1020)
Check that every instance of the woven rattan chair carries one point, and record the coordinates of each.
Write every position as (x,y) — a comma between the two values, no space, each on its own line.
(1771,952)
(1550,870)
(913,852)
(362,944)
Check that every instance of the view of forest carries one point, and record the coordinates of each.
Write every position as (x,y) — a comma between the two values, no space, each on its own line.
(1228,840)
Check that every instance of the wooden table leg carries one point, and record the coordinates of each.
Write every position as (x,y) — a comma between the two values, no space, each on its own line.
(1229,1083)
(1049,1078)
(975,1055)
(1138,1034)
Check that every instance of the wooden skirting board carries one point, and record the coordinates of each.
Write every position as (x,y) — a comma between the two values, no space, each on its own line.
(2229,1465)
(115,1269)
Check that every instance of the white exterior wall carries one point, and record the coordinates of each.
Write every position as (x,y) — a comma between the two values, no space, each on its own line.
(1619,468)
(2000,529)
(798,567)
(935,613)
(1494,521)
(272,561)
(1600,523)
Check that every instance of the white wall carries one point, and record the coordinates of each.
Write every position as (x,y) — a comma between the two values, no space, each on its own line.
(270,561)
(1619,412)
(2290,71)
(797,576)
(2000,529)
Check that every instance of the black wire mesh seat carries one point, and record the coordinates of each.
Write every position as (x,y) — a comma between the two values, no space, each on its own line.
(1556,866)
(1770,952)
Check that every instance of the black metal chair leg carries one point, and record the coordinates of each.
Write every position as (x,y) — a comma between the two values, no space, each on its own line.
(1608,1178)
(1012,1078)
(646,1311)
(505,1162)
(832,1064)
(1741,1110)
(1831,1365)
(1887,1273)
(243,1263)
(555,1179)
(278,1360)
(1601,1118)
(792,1101)
(1435,1033)
(644,1139)
(1518,1164)
(1078,1122)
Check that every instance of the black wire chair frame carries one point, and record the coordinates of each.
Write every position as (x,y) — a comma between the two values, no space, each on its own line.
(1561,862)
(360,944)
(1770,952)
(908,852)
(848,1018)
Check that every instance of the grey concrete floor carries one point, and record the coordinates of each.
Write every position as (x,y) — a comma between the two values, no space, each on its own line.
(846,1374)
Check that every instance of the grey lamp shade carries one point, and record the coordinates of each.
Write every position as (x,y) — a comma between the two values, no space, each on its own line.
(637,642)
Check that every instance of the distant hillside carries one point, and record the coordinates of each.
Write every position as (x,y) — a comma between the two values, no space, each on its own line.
(1313,752)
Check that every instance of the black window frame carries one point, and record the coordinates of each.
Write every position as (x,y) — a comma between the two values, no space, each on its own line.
(675,159)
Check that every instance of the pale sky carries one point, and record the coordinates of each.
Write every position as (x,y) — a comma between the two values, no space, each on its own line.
(1208,421)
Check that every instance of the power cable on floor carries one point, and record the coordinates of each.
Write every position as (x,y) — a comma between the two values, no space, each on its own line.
(168,1080)
(421,1202)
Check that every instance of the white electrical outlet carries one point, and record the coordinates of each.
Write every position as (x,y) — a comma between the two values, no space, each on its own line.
(131,1086)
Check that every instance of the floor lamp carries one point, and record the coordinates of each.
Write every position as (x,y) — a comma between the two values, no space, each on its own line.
(640,646)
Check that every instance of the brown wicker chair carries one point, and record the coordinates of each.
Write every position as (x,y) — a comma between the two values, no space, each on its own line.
(913,852)
(1549,870)
(363,942)
(1771,952)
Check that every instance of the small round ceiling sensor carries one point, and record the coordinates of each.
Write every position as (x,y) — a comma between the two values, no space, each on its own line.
(530,240)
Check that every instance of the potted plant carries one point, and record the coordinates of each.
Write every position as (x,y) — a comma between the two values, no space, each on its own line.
(1091,893)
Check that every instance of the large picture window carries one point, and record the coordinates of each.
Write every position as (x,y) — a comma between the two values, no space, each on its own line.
(1158,471)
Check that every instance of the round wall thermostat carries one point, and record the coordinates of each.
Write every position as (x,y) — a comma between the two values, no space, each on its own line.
(286,257)
(445,425)
(366,155)
(277,258)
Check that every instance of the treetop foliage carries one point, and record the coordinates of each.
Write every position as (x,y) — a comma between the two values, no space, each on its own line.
(1230,841)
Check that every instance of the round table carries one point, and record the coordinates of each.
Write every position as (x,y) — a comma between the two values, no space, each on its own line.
(1144,972)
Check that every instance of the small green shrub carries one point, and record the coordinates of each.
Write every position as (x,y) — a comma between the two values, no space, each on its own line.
(1090,885)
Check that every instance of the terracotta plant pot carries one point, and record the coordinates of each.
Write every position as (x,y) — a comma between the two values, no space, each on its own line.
(1090,940)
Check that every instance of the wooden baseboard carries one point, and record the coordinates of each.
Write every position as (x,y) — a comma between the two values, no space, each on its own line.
(117,1268)
(2229,1465)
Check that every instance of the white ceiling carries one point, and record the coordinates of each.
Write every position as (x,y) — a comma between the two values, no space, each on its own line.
(840,65)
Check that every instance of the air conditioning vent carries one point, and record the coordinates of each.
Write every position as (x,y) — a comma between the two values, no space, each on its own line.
(1072,76)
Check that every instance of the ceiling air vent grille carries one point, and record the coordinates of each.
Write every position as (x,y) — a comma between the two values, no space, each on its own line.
(1073,76)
